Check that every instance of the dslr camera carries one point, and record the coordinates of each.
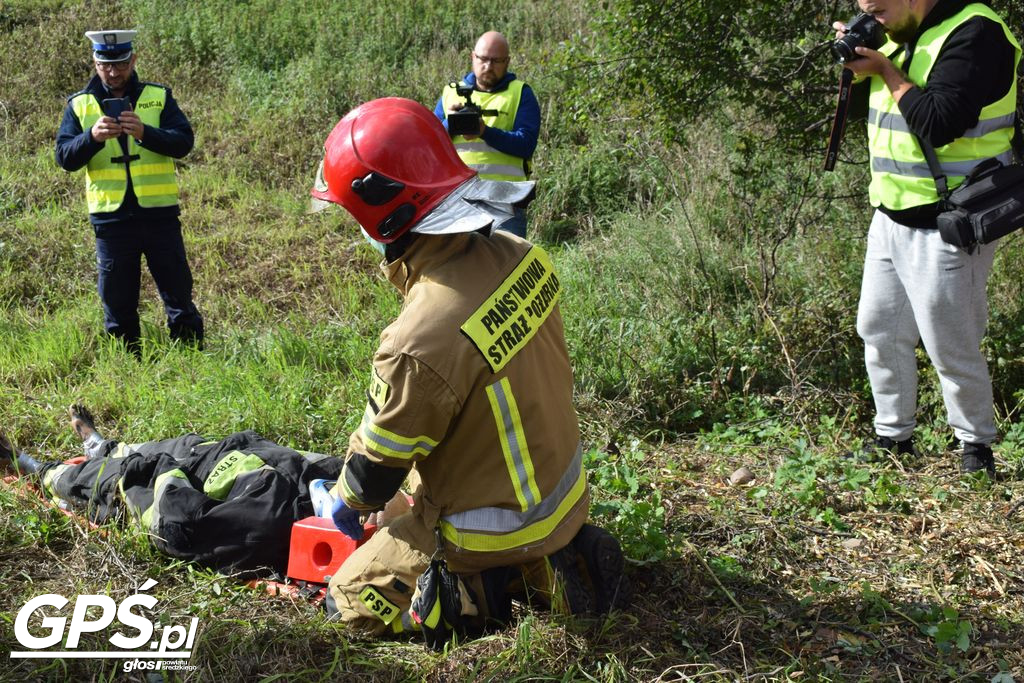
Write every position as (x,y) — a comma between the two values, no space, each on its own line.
(863,30)
(466,121)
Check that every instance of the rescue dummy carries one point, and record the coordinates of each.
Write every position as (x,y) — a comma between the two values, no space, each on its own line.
(227,504)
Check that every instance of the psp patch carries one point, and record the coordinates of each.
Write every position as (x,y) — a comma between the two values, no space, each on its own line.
(510,317)
(378,391)
(384,609)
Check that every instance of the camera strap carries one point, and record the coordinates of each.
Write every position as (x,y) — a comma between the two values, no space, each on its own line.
(941,184)
(839,120)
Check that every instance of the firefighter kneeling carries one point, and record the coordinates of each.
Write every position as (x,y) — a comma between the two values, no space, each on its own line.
(469,393)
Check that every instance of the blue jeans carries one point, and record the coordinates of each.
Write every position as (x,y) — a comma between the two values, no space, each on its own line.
(119,252)
(517,224)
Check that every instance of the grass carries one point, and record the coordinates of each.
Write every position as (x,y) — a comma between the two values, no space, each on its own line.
(710,294)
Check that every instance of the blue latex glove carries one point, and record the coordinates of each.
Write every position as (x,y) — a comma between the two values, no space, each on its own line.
(346,519)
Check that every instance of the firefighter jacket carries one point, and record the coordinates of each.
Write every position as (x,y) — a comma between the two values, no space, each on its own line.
(900,177)
(472,388)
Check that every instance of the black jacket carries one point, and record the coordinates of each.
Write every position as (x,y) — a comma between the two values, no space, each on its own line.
(243,525)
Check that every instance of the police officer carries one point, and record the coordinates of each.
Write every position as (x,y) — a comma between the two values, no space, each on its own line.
(126,133)
(470,388)
(946,75)
(503,148)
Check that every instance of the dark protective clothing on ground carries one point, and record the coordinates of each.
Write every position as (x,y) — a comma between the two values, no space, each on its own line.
(228,505)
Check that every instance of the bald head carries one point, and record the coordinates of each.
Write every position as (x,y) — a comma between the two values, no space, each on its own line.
(490,59)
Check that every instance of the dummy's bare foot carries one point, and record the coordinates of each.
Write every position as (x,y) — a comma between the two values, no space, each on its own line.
(82,421)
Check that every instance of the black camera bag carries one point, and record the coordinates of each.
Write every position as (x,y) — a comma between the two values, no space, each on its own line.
(989,204)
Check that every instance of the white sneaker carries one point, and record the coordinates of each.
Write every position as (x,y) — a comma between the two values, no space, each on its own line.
(320,496)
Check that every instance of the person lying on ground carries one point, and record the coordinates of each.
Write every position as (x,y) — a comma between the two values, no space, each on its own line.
(227,504)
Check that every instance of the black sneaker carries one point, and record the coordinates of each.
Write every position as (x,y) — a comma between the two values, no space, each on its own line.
(977,457)
(884,445)
(603,558)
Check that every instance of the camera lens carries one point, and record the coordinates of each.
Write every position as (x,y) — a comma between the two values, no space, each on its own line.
(842,51)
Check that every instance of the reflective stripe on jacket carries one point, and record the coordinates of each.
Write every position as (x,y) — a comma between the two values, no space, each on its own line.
(900,177)
(478,155)
(106,180)
(472,388)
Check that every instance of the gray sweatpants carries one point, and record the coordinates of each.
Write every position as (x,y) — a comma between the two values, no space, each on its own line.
(918,287)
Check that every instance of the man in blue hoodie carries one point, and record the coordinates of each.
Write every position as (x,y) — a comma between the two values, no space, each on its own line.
(504,146)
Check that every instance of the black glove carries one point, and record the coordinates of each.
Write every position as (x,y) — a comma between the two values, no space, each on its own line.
(437,604)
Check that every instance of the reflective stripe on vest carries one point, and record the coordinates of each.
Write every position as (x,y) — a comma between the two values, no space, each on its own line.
(106,181)
(491,529)
(900,178)
(477,154)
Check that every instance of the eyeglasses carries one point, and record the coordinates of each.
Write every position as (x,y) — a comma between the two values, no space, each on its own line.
(113,66)
(490,60)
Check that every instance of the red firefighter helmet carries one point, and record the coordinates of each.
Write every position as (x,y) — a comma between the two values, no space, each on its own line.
(389,162)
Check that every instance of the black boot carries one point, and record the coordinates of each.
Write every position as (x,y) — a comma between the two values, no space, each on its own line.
(977,457)
(569,581)
(604,561)
(590,572)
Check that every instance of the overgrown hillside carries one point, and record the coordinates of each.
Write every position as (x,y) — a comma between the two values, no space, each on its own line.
(710,272)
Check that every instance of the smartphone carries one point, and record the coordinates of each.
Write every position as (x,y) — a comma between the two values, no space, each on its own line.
(113,106)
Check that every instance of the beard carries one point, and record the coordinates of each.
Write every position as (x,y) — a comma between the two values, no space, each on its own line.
(906,32)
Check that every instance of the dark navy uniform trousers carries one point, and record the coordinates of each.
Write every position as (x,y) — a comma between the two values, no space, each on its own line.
(119,250)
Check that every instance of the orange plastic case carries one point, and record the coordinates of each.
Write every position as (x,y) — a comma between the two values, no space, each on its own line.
(318,548)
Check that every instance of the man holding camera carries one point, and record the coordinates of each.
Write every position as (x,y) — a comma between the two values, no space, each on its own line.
(503,144)
(946,75)
(126,133)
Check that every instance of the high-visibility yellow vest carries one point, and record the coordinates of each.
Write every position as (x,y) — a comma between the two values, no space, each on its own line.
(900,178)
(477,154)
(106,180)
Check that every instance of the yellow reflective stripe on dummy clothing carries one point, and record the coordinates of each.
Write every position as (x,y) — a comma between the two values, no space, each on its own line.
(391,444)
(509,318)
(379,606)
(236,463)
(122,450)
(493,529)
(50,479)
(513,443)
(169,479)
